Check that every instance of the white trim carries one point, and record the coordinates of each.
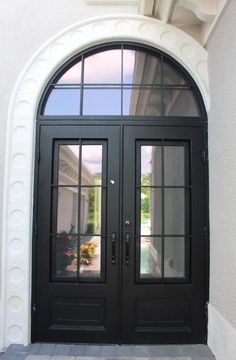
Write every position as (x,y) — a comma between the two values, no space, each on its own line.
(19,164)
(221,335)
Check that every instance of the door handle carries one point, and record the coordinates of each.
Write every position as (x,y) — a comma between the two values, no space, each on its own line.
(113,248)
(127,241)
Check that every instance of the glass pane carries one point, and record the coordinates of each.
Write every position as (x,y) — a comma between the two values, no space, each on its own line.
(68,165)
(102,102)
(150,165)
(180,102)
(174,211)
(63,102)
(91,165)
(174,264)
(142,101)
(65,248)
(67,212)
(140,67)
(90,256)
(174,165)
(103,67)
(71,76)
(90,210)
(150,211)
(172,76)
(150,257)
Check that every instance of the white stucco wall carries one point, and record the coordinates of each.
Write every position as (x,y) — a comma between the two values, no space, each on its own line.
(222,159)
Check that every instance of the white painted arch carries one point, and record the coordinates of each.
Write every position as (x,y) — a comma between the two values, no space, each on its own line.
(19,168)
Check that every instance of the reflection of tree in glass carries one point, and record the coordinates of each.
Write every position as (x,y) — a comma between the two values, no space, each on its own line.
(145,203)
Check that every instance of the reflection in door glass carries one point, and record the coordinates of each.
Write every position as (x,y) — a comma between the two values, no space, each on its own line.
(174,211)
(66,255)
(174,264)
(91,165)
(150,211)
(150,257)
(174,161)
(67,210)
(150,165)
(90,256)
(90,210)
(68,165)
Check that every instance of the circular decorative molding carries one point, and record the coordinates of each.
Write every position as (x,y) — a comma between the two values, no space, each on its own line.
(19,164)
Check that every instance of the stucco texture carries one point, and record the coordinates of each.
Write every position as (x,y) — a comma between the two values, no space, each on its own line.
(222,163)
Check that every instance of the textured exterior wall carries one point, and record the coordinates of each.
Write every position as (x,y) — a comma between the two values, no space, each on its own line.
(222,157)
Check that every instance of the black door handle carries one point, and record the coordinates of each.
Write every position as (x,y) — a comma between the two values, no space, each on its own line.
(113,248)
(127,241)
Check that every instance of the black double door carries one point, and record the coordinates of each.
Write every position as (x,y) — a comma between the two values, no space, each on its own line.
(119,245)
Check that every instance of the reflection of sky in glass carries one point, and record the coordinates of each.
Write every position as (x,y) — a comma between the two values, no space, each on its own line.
(63,102)
(102,102)
(92,158)
(103,67)
(71,76)
(146,157)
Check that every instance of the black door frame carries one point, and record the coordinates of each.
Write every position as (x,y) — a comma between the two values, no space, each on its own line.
(178,122)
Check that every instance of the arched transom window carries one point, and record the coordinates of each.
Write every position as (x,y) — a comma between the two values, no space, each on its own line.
(121,80)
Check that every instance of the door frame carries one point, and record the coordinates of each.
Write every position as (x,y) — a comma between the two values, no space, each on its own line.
(141,121)
(19,158)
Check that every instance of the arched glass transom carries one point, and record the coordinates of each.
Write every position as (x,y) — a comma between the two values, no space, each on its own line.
(121,80)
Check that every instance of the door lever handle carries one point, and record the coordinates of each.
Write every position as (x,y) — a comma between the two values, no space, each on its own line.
(127,241)
(113,248)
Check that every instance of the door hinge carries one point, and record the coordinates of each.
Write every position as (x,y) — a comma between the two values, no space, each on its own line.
(205,233)
(38,155)
(34,308)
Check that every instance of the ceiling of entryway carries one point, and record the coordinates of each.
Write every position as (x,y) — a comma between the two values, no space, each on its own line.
(198,18)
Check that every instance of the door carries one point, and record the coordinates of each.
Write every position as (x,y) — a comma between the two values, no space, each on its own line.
(120,235)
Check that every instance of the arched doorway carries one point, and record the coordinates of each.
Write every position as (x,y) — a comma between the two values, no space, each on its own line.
(121,216)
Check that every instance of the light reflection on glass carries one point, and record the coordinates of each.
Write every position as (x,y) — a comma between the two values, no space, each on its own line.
(103,67)
(174,159)
(90,210)
(150,165)
(63,102)
(180,102)
(67,210)
(174,211)
(141,101)
(66,255)
(68,164)
(71,76)
(91,165)
(102,101)
(150,211)
(150,257)
(174,264)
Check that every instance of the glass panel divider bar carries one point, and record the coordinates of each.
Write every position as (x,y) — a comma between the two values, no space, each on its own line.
(79,206)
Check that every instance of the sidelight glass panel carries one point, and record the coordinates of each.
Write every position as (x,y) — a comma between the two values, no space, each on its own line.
(65,252)
(102,101)
(174,211)
(90,256)
(63,102)
(67,210)
(91,167)
(150,165)
(71,76)
(142,101)
(150,257)
(103,67)
(68,165)
(174,160)
(150,211)
(180,102)
(174,263)
(140,67)
(90,210)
